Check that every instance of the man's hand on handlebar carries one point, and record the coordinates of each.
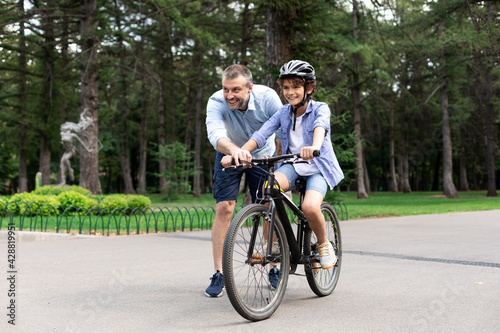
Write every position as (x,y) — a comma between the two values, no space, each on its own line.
(238,156)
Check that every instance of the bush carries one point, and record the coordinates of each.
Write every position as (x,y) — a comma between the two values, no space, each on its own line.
(77,200)
(29,204)
(81,190)
(56,190)
(48,190)
(112,202)
(138,201)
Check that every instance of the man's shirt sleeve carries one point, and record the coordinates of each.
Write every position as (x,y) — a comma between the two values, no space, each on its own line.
(216,128)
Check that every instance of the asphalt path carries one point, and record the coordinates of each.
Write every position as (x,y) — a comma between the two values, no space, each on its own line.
(429,273)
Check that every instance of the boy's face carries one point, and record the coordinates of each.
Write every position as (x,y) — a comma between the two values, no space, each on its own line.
(236,93)
(293,90)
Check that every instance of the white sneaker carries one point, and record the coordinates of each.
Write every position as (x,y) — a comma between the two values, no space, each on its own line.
(327,257)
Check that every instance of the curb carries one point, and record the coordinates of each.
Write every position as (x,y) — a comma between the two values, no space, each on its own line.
(34,236)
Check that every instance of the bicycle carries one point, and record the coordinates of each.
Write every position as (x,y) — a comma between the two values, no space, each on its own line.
(247,261)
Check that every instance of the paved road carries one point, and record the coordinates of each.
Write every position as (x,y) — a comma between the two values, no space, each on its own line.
(433,273)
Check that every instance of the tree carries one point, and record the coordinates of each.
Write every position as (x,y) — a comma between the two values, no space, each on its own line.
(23,176)
(356,105)
(89,98)
(449,189)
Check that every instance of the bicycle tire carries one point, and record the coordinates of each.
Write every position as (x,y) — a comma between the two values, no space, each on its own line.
(324,281)
(247,286)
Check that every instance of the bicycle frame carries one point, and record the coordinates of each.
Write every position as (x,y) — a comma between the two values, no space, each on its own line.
(277,201)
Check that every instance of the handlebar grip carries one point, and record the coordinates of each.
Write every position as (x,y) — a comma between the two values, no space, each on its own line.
(316,153)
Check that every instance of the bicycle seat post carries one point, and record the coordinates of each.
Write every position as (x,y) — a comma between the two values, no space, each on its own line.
(300,185)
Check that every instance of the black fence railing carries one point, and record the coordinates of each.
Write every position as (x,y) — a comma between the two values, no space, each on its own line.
(47,218)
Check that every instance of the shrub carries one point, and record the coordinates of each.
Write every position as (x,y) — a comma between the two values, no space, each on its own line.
(29,203)
(81,190)
(77,200)
(48,190)
(112,202)
(56,190)
(135,201)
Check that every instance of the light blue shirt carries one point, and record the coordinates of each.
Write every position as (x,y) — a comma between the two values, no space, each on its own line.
(317,115)
(222,122)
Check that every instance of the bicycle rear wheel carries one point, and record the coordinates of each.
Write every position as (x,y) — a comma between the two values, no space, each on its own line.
(324,281)
(246,277)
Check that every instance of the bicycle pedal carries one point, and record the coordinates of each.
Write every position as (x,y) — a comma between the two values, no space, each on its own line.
(256,259)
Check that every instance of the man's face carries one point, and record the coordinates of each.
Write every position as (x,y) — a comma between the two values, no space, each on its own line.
(236,93)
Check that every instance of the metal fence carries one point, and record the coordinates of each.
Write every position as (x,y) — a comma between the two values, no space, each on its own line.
(48,218)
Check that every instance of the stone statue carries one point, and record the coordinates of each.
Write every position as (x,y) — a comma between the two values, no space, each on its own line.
(69,132)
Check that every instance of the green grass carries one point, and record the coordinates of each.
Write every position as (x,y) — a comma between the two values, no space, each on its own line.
(379,204)
(383,204)
(187,213)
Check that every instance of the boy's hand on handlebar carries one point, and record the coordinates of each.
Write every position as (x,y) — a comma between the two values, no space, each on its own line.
(306,153)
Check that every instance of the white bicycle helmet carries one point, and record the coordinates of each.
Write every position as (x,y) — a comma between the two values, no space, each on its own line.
(298,68)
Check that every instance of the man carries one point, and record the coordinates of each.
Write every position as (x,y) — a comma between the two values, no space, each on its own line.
(233,115)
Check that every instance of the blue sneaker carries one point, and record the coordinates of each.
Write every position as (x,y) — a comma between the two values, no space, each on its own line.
(274,278)
(215,289)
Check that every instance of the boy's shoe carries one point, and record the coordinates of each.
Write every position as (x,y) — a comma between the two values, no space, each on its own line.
(216,286)
(263,250)
(327,257)
(274,278)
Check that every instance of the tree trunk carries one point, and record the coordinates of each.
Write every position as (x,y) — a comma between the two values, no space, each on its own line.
(246,29)
(404,179)
(47,104)
(489,117)
(63,109)
(141,188)
(393,184)
(45,160)
(464,183)
(277,40)
(197,136)
(360,172)
(449,189)
(22,138)
(161,136)
(89,160)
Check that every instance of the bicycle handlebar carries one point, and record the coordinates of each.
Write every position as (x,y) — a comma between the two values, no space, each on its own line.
(272,159)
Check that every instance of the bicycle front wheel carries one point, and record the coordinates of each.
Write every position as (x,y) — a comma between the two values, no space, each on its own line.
(323,281)
(253,292)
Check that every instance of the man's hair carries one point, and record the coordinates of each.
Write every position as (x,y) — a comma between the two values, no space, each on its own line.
(300,81)
(233,71)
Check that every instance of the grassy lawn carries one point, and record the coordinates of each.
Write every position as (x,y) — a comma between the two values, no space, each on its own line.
(187,213)
(379,204)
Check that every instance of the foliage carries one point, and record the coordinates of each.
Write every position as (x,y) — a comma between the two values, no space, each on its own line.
(31,204)
(178,157)
(112,202)
(137,201)
(49,190)
(73,201)
(159,62)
